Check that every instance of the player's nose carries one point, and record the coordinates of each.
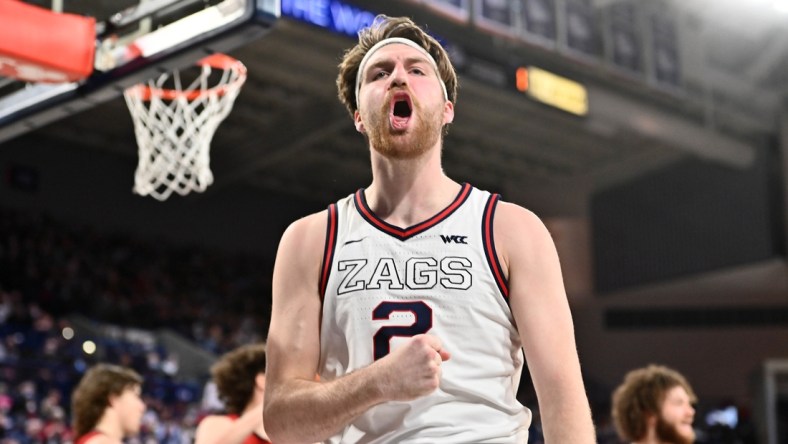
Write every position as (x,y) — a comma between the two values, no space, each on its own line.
(398,77)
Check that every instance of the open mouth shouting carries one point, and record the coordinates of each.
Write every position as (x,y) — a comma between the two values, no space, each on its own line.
(400,111)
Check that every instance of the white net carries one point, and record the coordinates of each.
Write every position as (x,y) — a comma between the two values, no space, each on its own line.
(174,125)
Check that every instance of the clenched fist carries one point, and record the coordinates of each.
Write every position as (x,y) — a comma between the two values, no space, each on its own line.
(413,369)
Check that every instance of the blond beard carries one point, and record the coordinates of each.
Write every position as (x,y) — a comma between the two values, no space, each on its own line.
(404,144)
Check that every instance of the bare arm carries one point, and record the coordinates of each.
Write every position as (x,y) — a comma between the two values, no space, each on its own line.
(217,429)
(299,409)
(541,311)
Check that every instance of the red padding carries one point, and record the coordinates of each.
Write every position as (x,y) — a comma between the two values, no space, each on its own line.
(40,45)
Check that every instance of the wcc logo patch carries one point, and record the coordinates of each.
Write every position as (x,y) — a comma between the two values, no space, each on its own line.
(454,239)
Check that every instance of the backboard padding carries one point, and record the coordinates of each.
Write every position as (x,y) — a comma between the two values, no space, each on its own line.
(222,27)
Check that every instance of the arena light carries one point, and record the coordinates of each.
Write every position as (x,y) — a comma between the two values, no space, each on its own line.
(521,79)
(68,333)
(89,347)
(552,89)
(780,6)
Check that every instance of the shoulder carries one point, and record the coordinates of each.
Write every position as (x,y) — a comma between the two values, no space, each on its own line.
(308,229)
(515,222)
(520,235)
(211,427)
(215,420)
(302,246)
(98,438)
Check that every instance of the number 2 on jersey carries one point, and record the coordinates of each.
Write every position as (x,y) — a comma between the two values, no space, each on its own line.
(422,323)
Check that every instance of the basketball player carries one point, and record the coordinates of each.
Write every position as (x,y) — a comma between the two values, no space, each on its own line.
(414,297)
(106,405)
(654,405)
(240,380)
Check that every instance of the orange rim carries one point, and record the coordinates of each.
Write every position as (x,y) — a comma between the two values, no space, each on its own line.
(218,61)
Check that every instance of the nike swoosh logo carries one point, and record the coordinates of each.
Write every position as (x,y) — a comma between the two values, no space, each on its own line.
(354,241)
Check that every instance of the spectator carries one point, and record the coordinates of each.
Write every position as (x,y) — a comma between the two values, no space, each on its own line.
(240,380)
(654,405)
(107,406)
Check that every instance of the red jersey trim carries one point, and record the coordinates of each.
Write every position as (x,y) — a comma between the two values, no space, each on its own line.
(406,233)
(328,252)
(489,246)
(254,438)
(87,437)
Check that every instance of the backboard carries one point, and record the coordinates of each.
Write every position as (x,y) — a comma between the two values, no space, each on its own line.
(132,45)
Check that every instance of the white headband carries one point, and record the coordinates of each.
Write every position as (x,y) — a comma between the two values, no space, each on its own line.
(404,41)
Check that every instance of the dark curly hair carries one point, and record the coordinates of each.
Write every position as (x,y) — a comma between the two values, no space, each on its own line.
(382,28)
(91,397)
(641,395)
(234,375)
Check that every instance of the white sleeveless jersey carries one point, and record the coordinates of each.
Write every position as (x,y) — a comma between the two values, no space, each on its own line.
(382,284)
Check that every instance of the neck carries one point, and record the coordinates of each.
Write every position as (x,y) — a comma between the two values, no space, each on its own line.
(109,425)
(405,192)
(256,405)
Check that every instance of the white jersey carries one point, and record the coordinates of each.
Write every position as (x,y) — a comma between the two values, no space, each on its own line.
(381,284)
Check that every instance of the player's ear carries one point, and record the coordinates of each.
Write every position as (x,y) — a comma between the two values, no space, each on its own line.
(359,124)
(112,400)
(448,112)
(259,381)
(651,420)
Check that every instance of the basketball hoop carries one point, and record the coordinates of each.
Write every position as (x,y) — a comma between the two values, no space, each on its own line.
(174,125)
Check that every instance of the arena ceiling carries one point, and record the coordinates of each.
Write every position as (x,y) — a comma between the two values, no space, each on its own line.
(289,134)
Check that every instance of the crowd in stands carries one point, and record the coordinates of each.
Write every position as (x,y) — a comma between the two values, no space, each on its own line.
(220,300)
(51,270)
(39,368)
